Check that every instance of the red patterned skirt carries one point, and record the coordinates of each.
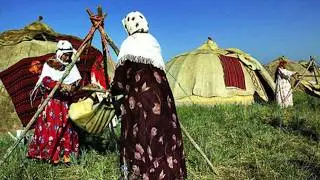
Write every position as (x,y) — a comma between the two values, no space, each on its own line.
(54,135)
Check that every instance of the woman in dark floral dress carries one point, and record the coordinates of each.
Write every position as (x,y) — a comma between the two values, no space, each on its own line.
(151,139)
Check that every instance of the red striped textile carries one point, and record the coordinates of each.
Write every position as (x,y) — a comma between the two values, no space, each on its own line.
(233,73)
(19,81)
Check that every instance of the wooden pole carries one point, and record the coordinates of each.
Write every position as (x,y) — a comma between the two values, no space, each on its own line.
(104,48)
(301,75)
(92,89)
(309,75)
(296,85)
(45,102)
(315,70)
(111,43)
(299,79)
(198,149)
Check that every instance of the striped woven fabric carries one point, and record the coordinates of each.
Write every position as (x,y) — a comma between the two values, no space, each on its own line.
(233,73)
(19,81)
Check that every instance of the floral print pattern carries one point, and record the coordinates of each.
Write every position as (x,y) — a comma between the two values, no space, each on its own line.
(53,133)
(151,139)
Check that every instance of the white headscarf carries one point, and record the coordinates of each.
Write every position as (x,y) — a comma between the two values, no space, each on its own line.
(56,75)
(140,47)
(63,46)
(135,22)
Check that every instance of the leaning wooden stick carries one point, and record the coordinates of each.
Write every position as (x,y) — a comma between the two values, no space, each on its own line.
(190,138)
(198,148)
(299,81)
(45,102)
(92,89)
(109,40)
(104,49)
(316,72)
(309,75)
(311,62)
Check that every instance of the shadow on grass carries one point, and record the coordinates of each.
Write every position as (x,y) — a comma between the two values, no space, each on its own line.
(312,167)
(102,143)
(253,169)
(296,126)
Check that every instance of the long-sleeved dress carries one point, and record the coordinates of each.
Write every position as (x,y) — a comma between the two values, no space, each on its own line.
(151,139)
(53,134)
(283,87)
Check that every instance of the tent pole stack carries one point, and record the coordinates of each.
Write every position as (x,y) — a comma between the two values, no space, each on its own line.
(314,87)
(316,71)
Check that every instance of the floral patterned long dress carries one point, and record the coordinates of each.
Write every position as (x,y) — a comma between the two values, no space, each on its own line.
(54,134)
(151,139)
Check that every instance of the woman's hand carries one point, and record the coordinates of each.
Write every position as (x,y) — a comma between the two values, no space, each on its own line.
(296,75)
(66,88)
(92,86)
(107,94)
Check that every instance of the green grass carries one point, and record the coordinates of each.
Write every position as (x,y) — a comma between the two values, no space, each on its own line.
(259,141)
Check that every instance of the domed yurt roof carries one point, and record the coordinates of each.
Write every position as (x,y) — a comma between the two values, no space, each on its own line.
(211,75)
(35,39)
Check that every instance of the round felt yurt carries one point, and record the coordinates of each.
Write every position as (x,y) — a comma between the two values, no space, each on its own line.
(212,75)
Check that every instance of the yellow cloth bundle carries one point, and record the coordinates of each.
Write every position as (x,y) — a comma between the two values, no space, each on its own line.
(90,117)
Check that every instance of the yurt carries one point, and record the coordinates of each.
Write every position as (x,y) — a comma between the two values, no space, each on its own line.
(212,75)
(23,50)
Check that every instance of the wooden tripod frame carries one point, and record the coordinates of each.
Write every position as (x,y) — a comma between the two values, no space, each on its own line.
(316,71)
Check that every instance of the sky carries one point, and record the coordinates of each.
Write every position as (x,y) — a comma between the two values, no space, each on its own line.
(266,29)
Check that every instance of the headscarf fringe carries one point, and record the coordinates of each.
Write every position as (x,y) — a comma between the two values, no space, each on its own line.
(138,59)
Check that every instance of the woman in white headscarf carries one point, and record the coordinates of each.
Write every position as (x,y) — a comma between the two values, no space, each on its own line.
(151,139)
(283,90)
(54,133)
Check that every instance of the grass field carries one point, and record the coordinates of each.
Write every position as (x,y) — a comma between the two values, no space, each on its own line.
(259,141)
